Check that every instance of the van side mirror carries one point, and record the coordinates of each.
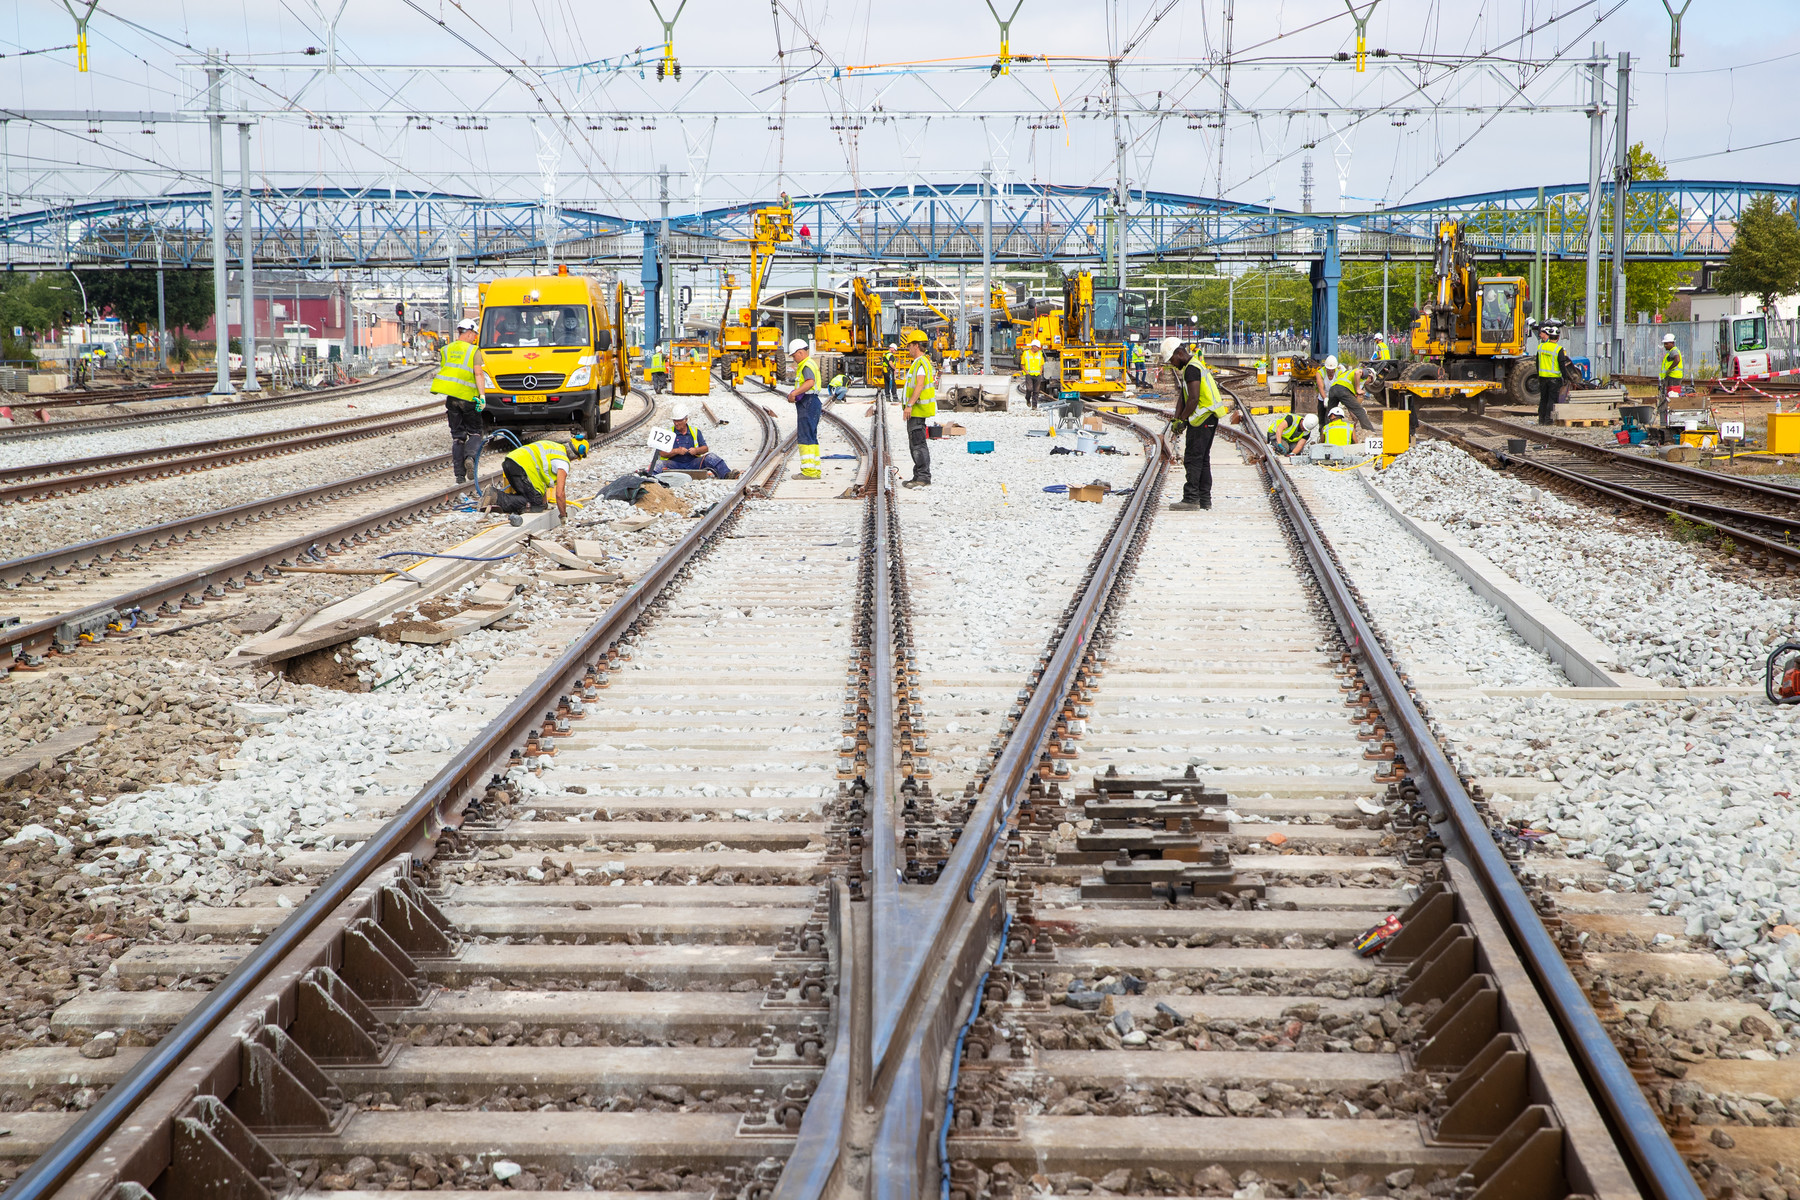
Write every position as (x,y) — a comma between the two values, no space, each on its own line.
(603,340)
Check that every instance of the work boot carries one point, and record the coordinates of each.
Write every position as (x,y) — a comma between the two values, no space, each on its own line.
(1188,506)
(916,483)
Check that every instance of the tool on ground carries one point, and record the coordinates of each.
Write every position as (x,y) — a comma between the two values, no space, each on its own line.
(1781,680)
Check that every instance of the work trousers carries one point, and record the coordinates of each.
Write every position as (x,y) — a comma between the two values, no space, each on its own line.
(711,462)
(659,380)
(919,442)
(1197,457)
(524,496)
(465,434)
(806,412)
(1351,404)
(1549,395)
(1034,387)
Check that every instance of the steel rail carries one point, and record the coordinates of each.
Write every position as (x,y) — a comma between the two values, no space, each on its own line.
(26,637)
(185,385)
(436,807)
(1635,1124)
(110,470)
(939,935)
(1655,466)
(197,412)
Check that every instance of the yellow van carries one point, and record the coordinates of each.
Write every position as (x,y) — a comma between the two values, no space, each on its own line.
(550,356)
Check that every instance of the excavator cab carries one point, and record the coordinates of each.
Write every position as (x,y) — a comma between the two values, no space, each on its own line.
(1500,317)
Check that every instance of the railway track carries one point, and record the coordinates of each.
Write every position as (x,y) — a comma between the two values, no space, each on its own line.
(183,385)
(58,597)
(738,946)
(1763,518)
(35,481)
(201,412)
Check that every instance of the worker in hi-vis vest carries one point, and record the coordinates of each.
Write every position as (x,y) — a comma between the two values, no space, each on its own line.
(463,402)
(1668,379)
(921,402)
(806,402)
(1553,366)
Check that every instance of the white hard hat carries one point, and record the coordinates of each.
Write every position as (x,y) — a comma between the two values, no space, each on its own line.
(1036,345)
(465,323)
(1331,362)
(1668,339)
(1337,413)
(1169,346)
(1310,421)
(679,412)
(796,346)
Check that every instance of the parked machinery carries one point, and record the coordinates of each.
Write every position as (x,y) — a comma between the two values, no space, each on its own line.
(1093,340)
(1743,346)
(746,348)
(690,366)
(1468,341)
(857,339)
(944,344)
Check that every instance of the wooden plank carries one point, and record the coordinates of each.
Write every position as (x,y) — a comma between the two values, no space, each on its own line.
(294,645)
(66,742)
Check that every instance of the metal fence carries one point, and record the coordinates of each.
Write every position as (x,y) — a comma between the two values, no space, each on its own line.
(1698,342)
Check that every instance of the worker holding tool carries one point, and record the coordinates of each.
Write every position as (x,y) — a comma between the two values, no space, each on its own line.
(1668,380)
(463,401)
(659,369)
(805,399)
(921,402)
(690,452)
(535,473)
(836,390)
(1031,367)
(1289,433)
(1554,366)
(1198,411)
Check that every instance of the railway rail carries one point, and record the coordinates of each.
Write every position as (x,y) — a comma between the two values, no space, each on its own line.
(201,412)
(57,597)
(35,481)
(790,970)
(181,385)
(1762,517)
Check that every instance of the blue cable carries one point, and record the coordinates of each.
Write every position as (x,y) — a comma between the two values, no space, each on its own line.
(956,1061)
(457,557)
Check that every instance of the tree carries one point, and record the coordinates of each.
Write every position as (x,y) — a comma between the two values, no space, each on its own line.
(131,296)
(1765,253)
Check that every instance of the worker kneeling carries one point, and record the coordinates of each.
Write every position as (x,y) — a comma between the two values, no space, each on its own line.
(690,452)
(1338,429)
(1289,432)
(536,473)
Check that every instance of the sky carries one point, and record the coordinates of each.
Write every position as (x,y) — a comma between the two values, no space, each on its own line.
(883,93)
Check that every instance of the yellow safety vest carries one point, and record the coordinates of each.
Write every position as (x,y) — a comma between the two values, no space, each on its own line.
(656,362)
(1383,351)
(541,460)
(1033,362)
(456,372)
(922,373)
(806,370)
(1671,371)
(1549,360)
(1289,428)
(1212,401)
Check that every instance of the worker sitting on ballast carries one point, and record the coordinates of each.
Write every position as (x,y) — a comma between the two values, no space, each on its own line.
(535,473)
(1289,432)
(690,452)
(1554,367)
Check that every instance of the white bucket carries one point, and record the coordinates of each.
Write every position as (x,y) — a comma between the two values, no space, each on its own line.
(1085,443)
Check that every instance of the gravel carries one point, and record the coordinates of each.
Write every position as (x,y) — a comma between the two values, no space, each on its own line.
(1431,619)
(22,452)
(1668,614)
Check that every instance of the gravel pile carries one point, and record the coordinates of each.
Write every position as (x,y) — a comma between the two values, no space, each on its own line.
(1668,614)
(23,452)
(1433,622)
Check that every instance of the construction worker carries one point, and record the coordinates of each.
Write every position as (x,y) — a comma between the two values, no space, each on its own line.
(890,364)
(690,452)
(537,472)
(1338,429)
(659,369)
(1668,379)
(921,402)
(836,390)
(1553,363)
(463,401)
(1327,376)
(805,399)
(1135,353)
(1031,363)
(1198,411)
(1289,432)
(1384,352)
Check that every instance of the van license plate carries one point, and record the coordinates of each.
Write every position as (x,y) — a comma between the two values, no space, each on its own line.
(530,398)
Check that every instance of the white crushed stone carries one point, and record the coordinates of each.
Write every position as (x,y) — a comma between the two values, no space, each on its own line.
(1665,613)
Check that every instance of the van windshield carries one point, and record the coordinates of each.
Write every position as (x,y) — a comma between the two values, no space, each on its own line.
(517,325)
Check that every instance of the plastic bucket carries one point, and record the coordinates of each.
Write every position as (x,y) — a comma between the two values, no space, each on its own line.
(1085,443)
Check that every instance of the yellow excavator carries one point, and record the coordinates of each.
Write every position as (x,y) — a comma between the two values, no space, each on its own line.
(858,339)
(744,347)
(1468,341)
(1093,358)
(945,342)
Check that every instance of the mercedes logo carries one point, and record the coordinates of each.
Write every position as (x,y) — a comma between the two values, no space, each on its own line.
(530,382)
